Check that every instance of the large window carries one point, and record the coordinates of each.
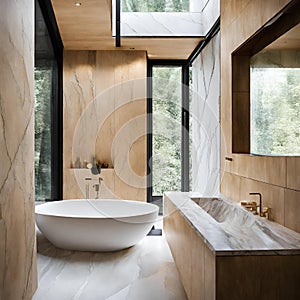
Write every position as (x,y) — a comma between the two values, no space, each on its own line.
(166,155)
(168,128)
(47,76)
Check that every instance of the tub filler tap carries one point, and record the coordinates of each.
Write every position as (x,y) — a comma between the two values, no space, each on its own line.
(87,188)
(96,187)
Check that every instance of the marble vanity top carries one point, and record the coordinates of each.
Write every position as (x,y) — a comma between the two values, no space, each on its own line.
(228,229)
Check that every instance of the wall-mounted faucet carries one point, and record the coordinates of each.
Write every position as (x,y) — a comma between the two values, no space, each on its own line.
(96,186)
(252,206)
(260,202)
(87,188)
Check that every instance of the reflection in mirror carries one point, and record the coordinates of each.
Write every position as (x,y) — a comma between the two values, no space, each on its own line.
(275,97)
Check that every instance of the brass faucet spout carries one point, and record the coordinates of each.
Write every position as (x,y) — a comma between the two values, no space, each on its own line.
(260,202)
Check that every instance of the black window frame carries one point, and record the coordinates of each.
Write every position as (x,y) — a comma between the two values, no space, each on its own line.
(185,115)
(57,101)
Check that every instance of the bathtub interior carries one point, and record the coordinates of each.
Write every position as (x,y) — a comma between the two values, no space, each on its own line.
(91,208)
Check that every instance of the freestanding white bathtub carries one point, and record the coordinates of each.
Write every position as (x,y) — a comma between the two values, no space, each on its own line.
(95,225)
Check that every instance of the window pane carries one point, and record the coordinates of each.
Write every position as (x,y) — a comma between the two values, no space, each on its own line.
(42,152)
(166,159)
(45,78)
(275,111)
(190,128)
(155,5)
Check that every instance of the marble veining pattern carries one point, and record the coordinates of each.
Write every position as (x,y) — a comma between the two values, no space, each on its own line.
(203,14)
(161,24)
(205,120)
(145,271)
(228,229)
(17,235)
(104,117)
(210,11)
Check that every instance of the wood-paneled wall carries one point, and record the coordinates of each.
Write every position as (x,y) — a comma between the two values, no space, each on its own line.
(277,178)
(105,117)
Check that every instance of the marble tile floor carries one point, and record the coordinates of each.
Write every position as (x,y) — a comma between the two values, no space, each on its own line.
(143,272)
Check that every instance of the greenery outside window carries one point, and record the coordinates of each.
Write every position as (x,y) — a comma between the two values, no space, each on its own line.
(155,5)
(48,112)
(168,123)
(275,111)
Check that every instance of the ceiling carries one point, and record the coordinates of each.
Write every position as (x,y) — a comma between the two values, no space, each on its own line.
(288,41)
(88,27)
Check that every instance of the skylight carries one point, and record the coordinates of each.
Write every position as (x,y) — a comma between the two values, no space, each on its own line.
(165,18)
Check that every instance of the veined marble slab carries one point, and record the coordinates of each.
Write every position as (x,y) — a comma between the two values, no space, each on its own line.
(205,114)
(146,271)
(161,24)
(229,229)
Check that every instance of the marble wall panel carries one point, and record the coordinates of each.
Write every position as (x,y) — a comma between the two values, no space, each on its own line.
(205,120)
(105,110)
(18,274)
(79,93)
(162,24)
(210,11)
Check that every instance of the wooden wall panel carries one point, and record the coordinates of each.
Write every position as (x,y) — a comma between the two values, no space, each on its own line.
(276,177)
(105,117)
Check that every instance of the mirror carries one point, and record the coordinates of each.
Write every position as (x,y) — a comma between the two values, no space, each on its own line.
(266,88)
(275,97)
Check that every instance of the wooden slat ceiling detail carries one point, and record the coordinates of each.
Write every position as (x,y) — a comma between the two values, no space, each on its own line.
(88,27)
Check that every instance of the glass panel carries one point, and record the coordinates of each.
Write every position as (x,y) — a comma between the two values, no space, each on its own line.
(42,157)
(190,127)
(155,5)
(178,18)
(45,83)
(275,111)
(166,156)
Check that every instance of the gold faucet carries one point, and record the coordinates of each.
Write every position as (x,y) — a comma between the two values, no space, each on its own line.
(260,202)
(265,213)
(250,206)
(256,209)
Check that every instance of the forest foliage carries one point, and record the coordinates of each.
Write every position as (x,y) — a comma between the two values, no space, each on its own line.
(275,111)
(155,5)
(166,159)
(42,141)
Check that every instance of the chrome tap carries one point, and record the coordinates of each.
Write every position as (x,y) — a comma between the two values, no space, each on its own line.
(87,188)
(96,186)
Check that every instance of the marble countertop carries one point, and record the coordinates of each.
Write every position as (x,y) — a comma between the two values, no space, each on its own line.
(228,229)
